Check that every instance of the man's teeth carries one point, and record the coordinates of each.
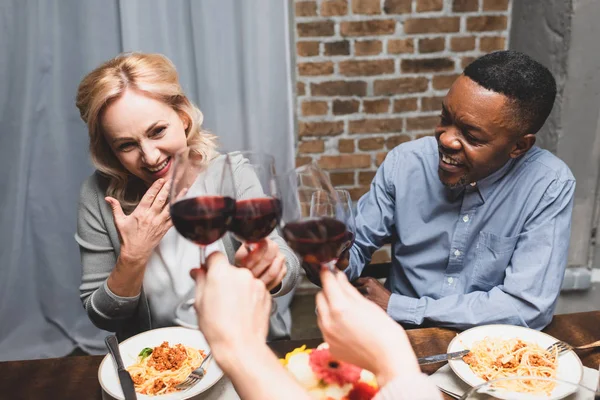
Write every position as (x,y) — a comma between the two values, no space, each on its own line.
(161,166)
(448,160)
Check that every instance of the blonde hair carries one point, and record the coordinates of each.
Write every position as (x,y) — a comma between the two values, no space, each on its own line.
(151,74)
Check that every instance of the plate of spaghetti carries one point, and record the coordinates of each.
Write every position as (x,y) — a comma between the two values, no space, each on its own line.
(502,351)
(158,360)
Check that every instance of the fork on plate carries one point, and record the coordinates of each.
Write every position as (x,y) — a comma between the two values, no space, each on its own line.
(196,375)
(564,347)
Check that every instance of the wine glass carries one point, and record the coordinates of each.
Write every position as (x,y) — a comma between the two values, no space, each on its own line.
(202,208)
(516,388)
(315,222)
(259,211)
(323,206)
(346,203)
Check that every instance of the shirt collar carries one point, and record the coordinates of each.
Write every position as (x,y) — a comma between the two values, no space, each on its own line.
(485,186)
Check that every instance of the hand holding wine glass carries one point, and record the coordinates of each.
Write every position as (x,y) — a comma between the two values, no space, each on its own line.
(257,214)
(316,223)
(202,205)
(361,333)
(322,205)
(260,212)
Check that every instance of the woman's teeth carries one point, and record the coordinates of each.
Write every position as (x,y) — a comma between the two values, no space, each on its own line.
(159,167)
(448,160)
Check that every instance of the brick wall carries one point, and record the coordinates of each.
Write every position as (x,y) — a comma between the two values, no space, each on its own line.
(371,74)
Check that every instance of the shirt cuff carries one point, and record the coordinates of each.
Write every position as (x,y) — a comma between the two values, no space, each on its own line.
(409,387)
(351,270)
(403,309)
(112,306)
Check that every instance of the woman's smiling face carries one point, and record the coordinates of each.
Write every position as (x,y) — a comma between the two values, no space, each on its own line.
(144,134)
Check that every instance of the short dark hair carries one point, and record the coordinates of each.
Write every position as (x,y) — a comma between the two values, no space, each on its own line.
(528,84)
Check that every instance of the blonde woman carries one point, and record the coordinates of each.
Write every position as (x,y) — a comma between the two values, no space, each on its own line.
(135,265)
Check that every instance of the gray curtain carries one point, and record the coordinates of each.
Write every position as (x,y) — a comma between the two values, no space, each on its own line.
(233,59)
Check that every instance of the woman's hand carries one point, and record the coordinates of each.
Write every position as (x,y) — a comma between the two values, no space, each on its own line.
(233,311)
(141,231)
(232,306)
(264,261)
(360,332)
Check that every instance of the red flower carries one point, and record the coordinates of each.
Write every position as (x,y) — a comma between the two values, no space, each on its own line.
(362,391)
(330,370)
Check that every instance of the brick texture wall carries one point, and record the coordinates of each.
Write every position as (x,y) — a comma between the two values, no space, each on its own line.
(371,74)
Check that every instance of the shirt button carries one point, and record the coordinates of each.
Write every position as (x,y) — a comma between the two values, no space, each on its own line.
(466,218)
(450,280)
(457,253)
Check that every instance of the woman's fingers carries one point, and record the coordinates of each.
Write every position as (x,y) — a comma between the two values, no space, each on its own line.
(165,214)
(257,257)
(115,206)
(275,273)
(323,316)
(349,291)
(331,286)
(162,198)
(217,261)
(151,193)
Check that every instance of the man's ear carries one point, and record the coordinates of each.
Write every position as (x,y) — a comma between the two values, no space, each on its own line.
(522,145)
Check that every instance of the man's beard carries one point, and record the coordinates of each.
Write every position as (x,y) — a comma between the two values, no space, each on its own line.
(462,181)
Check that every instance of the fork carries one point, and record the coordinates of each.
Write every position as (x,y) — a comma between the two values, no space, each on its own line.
(564,347)
(196,375)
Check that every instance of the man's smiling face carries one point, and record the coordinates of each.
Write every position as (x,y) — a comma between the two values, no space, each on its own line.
(476,135)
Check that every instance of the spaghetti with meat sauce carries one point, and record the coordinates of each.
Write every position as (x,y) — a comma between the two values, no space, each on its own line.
(494,358)
(160,369)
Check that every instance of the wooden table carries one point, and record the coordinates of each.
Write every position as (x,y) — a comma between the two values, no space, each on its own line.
(77,377)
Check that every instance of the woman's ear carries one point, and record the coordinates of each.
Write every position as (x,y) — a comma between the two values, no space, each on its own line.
(185,119)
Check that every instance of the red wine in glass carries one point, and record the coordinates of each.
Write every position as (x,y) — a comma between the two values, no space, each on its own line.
(255,218)
(202,207)
(316,240)
(203,220)
(313,269)
(259,211)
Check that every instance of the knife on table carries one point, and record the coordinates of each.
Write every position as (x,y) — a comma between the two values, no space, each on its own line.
(442,357)
(124,377)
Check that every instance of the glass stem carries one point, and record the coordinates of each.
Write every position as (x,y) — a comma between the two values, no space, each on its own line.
(191,298)
(202,256)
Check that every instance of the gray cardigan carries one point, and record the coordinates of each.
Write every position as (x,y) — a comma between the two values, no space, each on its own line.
(100,246)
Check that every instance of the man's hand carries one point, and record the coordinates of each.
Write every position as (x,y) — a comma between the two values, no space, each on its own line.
(373,290)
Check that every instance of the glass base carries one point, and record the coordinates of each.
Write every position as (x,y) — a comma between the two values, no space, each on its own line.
(185,314)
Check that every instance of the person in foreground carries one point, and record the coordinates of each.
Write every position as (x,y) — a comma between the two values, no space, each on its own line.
(135,264)
(356,330)
(479,217)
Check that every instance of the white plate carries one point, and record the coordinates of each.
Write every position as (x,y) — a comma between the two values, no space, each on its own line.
(570,368)
(131,347)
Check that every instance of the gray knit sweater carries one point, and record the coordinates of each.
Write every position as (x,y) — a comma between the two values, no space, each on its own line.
(99,247)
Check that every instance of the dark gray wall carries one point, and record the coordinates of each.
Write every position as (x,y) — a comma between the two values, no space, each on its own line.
(565,36)
(541,29)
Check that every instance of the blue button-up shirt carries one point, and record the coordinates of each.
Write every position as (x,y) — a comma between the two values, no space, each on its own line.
(494,251)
